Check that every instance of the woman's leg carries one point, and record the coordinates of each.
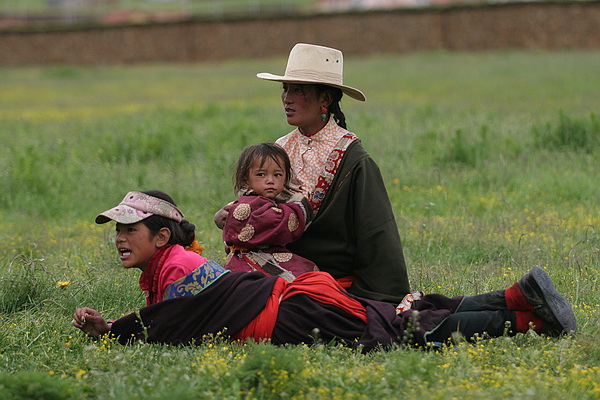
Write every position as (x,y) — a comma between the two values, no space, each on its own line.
(470,324)
(491,301)
(534,292)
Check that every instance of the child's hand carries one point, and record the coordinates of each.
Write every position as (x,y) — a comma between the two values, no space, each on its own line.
(221,216)
(90,321)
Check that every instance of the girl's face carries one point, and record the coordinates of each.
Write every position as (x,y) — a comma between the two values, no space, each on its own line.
(303,107)
(267,179)
(136,244)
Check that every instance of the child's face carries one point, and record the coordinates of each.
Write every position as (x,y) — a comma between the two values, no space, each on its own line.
(136,245)
(267,179)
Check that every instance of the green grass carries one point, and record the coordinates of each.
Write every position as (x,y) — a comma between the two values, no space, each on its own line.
(194,7)
(491,163)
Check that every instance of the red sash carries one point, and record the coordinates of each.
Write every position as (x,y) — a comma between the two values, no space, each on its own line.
(319,286)
(346,281)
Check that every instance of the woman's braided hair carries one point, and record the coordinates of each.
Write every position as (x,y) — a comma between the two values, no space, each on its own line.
(334,108)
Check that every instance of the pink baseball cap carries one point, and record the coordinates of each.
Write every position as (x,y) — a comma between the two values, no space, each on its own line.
(137,206)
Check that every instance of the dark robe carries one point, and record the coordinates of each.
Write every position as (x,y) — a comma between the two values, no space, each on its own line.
(355,231)
(231,302)
(235,299)
(300,315)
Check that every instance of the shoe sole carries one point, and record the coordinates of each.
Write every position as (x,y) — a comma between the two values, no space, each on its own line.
(557,303)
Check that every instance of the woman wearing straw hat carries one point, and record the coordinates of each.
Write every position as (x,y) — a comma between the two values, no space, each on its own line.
(354,235)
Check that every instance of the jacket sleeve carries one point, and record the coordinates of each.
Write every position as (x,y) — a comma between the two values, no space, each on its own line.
(379,267)
(256,221)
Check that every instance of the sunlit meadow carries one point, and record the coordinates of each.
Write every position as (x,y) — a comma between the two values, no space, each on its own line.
(491,164)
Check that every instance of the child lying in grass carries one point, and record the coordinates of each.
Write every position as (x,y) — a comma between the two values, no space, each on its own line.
(152,235)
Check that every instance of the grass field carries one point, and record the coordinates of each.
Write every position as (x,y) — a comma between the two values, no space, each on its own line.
(491,164)
(86,8)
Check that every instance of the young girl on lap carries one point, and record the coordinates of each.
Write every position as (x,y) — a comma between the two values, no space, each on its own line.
(267,216)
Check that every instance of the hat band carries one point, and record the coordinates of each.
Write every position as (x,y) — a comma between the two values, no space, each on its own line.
(316,76)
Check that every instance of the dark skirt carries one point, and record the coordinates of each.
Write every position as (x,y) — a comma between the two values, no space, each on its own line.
(304,320)
(235,299)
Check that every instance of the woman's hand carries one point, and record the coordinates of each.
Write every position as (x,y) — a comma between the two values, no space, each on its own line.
(221,216)
(90,321)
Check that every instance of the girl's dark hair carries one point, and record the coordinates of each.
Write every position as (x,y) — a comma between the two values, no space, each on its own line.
(334,109)
(260,152)
(182,233)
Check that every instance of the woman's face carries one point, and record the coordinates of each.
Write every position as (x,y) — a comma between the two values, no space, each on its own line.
(136,245)
(303,107)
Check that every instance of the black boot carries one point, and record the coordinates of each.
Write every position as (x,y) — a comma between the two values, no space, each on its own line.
(552,307)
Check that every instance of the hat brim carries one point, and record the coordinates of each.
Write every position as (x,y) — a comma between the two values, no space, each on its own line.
(122,214)
(350,91)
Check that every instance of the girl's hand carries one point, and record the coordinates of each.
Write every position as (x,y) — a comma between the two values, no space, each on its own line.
(90,321)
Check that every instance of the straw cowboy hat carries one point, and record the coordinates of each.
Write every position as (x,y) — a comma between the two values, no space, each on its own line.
(309,63)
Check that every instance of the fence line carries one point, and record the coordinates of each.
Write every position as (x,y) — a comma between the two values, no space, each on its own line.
(517,25)
(69,12)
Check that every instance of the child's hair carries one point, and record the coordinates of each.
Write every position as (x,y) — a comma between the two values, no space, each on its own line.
(260,152)
(182,233)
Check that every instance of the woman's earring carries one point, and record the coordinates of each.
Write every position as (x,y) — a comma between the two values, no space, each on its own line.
(323,112)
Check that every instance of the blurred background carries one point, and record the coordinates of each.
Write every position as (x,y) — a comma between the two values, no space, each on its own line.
(93,32)
(26,12)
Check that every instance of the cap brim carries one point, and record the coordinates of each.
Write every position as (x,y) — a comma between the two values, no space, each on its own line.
(122,214)
(102,219)
(350,91)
